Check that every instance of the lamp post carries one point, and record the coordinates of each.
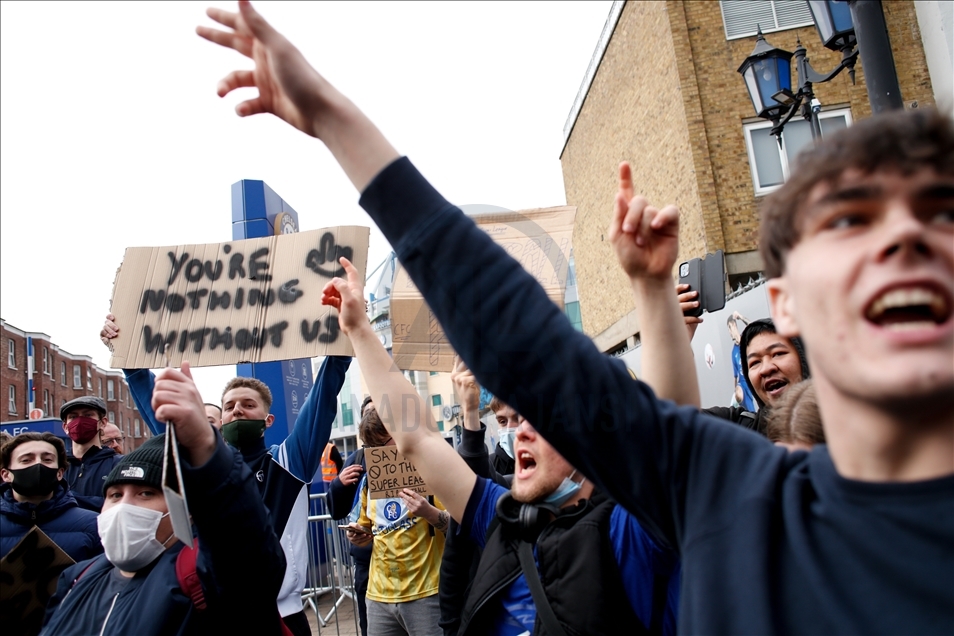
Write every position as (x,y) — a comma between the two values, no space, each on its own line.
(767,73)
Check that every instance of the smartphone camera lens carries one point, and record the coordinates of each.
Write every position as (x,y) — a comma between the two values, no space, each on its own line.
(684,270)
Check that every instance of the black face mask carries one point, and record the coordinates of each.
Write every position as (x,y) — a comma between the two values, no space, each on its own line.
(243,433)
(35,480)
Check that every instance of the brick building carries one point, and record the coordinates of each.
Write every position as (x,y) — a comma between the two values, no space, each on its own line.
(663,92)
(60,376)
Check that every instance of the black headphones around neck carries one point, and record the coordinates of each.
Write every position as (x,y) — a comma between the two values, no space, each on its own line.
(526,520)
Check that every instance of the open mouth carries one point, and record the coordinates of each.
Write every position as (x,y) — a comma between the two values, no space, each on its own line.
(526,464)
(909,308)
(775,386)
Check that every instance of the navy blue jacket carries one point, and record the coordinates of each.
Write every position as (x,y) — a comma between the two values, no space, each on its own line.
(68,525)
(240,565)
(86,476)
(771,542)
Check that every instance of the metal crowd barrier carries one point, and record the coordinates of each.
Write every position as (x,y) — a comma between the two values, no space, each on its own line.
(331,571)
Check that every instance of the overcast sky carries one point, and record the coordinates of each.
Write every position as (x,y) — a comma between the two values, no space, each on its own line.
(113,136)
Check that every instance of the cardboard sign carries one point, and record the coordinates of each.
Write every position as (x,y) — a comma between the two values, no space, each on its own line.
(389,472)
(540,240)
(255,300)
(28,576)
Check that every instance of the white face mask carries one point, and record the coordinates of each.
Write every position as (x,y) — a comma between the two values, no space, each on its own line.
(129,536)
(506,440)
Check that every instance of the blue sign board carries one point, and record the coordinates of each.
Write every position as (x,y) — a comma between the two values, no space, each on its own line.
(43,425)
(258,212)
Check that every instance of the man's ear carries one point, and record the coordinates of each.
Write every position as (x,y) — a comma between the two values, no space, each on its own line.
(60,473)
(102,423)
(65,430)
(782,303)
(6,475)
(269,419)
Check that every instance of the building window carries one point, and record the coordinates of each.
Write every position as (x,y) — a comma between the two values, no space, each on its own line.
(572,311)
(110,390)
(100,387)
(440,425)
(46,361)
(769,163)
(46,401)
(433,372)
(112,417)
(77,377)
(436,400)
(347,414)
(12,404)
(136,430)
(11,354)
(120,420)
(63,373)
(89,378)
(742,18)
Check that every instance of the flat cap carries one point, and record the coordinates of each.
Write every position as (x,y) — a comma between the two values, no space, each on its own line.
(86,401)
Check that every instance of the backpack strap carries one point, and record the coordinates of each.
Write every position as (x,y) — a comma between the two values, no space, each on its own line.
(544,611)
(188,577)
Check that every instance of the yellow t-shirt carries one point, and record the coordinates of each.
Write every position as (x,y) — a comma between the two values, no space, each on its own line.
(406,554)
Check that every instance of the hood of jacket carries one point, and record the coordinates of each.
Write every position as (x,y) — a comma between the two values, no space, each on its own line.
(23,512)
(765,325)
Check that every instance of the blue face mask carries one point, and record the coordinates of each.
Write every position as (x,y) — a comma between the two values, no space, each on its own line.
(564,491)
(506,440)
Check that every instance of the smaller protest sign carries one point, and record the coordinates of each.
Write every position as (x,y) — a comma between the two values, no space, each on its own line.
(28,575)
(540,240)
(389,472)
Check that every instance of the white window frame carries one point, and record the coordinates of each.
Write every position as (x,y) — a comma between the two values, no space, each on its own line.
(46,361)
(137,432)
(12,400)
(11,354)
(46,401)
(112,417)
(766,28)
(110,390)
(77,376)
(62,372)
(761,124)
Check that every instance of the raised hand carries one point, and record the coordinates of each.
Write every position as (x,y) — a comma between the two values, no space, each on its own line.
(646,239)
(465,385)
(176,399)
(109,331)
(687,301)
(288,86)
(347,296)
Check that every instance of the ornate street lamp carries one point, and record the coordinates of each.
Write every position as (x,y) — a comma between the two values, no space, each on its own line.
(767,72)
(767,69)
(833,21)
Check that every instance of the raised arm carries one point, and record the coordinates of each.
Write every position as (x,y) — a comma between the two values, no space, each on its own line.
(403,412)
(226,507)
(140,381)
(646,240)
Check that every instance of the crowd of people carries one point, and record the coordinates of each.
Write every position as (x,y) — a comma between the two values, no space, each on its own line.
(610,503)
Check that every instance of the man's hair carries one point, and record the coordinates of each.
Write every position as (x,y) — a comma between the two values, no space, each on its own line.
(371,430)
(366,402)
(797,418)
(250,383)
(6,452)
(496,404)
(216,406)
(902,141)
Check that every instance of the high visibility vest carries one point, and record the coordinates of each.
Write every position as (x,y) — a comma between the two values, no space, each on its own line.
(328,469)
